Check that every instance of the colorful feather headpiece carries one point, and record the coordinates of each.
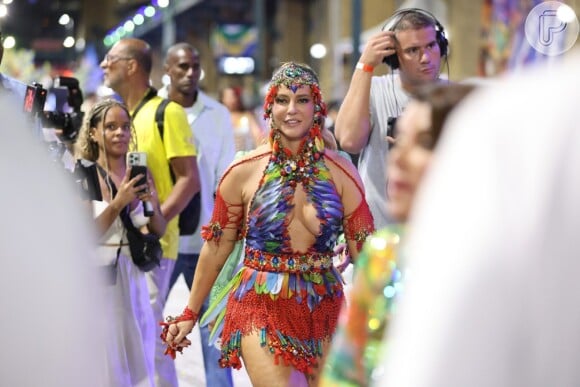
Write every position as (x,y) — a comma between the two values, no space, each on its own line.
(294,75)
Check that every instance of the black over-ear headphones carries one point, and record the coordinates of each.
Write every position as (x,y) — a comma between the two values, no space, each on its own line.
(391,24)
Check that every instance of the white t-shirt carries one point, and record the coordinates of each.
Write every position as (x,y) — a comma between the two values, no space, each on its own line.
(213,135)
(387,100)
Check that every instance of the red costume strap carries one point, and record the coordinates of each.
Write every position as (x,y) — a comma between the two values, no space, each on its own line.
(226,215)
(186,315)
(331,159)
(360,223)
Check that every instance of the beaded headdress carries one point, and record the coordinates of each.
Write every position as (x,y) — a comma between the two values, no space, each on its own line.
(294,75)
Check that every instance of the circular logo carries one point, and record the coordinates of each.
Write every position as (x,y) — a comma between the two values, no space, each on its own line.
(552,28)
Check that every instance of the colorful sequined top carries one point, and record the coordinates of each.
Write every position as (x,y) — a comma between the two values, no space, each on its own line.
(291,298)
(358,342)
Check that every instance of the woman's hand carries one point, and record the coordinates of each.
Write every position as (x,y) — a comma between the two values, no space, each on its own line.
(342,255)
(175,331)
(128,190)
(174,335)
(157,222)
(150,194)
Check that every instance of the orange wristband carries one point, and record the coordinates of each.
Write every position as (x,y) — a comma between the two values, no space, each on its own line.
(365,67)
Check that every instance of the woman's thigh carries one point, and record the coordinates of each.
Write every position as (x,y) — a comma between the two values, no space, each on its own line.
(259,363)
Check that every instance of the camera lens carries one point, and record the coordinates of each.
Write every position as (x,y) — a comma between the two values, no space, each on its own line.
(392,127)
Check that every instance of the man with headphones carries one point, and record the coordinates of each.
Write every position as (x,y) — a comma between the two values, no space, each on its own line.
(412,43)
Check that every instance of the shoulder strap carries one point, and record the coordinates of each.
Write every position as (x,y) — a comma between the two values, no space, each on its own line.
(160,116)
(150,94)
(159,119)
(124,214)
(107,178)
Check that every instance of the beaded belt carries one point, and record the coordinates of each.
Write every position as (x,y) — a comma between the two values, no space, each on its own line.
(289,263)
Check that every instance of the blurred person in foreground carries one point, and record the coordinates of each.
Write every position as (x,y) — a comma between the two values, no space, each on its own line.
(171,160)
(290,199)
(493,248)
(379,270)
(53,326)
(210,123)
(105,138)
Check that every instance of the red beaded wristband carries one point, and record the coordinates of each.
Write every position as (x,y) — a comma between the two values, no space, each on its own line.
(365,67)
(186,315)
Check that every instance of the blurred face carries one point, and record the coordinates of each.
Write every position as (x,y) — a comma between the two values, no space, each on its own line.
(409,159)
(184,70)
(113,133)
(230,99)
(293,112)
(115,67)
(419,56)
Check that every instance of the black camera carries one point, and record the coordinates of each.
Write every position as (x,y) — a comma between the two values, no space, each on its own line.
(69,123)
(392,129)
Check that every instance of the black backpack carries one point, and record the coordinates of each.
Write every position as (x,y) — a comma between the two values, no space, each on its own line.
(189,217)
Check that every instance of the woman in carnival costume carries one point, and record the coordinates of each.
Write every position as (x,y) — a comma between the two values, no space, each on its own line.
(290,199)
(356,346)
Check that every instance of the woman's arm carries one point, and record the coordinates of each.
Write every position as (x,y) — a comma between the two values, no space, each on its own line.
(126,193)
(157,223)
(221,235)
(106,218)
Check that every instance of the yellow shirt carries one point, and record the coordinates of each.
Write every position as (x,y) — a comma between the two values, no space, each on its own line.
(177,142)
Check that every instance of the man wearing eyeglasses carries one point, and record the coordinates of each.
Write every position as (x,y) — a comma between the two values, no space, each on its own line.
(127,69)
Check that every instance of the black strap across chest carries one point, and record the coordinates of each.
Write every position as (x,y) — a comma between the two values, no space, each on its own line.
(150,94)
(124,214)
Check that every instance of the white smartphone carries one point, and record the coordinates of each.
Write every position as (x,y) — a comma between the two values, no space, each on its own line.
(137,161)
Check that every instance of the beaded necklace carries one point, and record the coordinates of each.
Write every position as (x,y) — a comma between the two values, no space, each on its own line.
(267,222)
(298,168)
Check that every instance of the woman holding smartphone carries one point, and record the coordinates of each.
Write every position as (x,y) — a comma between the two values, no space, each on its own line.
(106,137)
